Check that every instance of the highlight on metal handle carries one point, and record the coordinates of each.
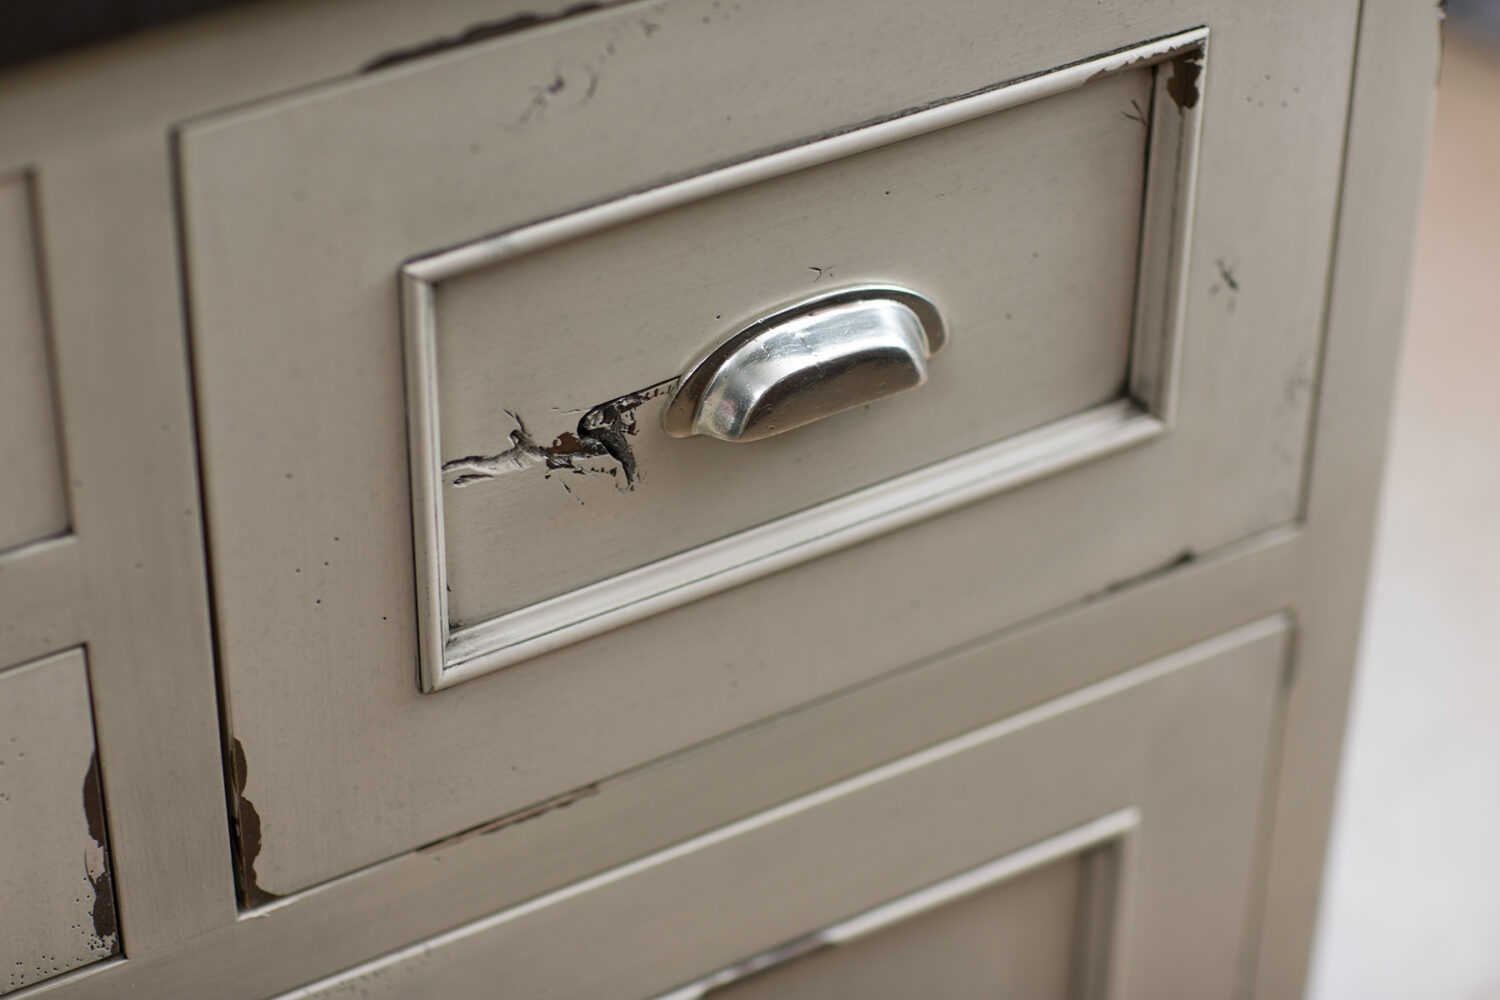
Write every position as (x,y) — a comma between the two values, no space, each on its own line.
(808,361)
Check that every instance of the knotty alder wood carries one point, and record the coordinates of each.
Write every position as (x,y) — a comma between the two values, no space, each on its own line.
(299,350)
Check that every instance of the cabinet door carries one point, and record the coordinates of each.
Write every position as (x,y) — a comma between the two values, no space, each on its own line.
(528,191)
(1101,845)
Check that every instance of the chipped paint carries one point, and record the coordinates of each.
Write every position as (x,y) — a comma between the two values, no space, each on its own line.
(103,912)
(1182,85)
(246,831)
(480,32)
(603,432)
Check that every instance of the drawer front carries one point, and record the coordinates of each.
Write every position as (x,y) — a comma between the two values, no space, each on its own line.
(1098,846)
(548,237)
(573,331)
(59,906)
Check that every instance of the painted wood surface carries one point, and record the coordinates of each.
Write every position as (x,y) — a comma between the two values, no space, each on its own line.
(33,505)
(93,132)
(300,385)
(58,912)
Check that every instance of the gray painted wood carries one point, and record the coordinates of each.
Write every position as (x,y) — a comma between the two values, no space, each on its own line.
(93,126)
(59,907)
(1013,941)
(481,872)
(1183,740)
(556,332)
(32,502)
(319,664)
(1393,94)
(91,131)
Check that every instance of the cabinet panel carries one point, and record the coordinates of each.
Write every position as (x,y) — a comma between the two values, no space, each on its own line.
(57,907)
(1017,940)
(32,502)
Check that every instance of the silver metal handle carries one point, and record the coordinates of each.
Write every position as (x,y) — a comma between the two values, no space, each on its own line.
(808,361)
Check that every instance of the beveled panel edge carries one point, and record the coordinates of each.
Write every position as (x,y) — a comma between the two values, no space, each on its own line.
(1166,231)
(1105,832)
(21,180)
(448,657)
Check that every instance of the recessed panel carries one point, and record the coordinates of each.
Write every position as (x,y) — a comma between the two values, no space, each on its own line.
(57,906)
(32,504)
(538,380)
(1017,940)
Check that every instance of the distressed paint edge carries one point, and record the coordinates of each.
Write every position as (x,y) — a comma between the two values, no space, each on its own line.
(1166,240)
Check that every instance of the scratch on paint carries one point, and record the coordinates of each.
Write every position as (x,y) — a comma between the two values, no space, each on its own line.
(602,433)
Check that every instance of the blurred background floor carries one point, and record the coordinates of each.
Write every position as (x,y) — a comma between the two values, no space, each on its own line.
(1412,908)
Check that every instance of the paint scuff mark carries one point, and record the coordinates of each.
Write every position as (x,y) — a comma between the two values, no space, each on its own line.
(1138,115)
(551,92)
(246,831)
(103,913)
(603,432)
(1184,558)
(1226,274)
(1182,85)
(511,819)
(480,32)
(1226,280)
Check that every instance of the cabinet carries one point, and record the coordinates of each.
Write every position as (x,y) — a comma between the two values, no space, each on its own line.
(320,358)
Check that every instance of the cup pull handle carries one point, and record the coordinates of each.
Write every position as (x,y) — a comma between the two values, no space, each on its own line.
(806,362)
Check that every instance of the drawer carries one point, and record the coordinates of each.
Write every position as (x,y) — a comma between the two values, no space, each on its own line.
(435,340)
(543,361)
(59,905)
(1101,845)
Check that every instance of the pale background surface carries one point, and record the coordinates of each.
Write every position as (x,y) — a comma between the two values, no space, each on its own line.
(1413,894)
